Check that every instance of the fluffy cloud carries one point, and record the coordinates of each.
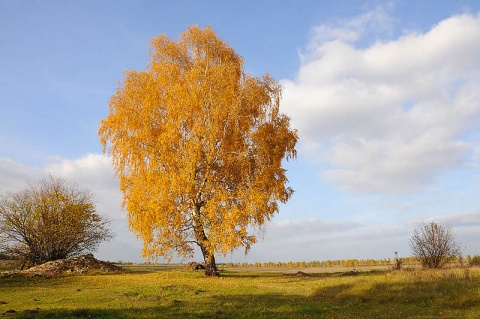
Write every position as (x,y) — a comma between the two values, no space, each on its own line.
(13,175)
(392,116)
(95,172)
(312,226)
(471,219)
(353,29)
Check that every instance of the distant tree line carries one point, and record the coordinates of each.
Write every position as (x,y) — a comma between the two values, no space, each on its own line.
(406,261)
(322,264)
(472,260)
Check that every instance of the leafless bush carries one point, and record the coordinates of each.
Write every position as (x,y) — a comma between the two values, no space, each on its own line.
(434,245)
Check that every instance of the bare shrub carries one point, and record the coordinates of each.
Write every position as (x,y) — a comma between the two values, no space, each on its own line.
(434,245)
(50,220)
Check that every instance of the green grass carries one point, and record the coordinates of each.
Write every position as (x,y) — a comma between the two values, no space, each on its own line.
(171,293)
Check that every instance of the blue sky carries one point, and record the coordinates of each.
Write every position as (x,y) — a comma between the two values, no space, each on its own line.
(384,95)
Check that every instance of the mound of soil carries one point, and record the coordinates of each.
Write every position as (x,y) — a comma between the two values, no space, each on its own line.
(79,264)
(194,266)
(298,274)
(301,274)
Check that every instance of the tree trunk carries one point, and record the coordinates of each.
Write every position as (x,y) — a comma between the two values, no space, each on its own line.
(204,243)
(210,265)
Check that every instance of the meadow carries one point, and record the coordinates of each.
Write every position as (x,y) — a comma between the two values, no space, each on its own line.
(169,292)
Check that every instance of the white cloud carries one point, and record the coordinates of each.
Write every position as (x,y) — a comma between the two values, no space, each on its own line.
(95,172)
(13,176)
(390,117)
(470,219)
(351,30)
(312,225)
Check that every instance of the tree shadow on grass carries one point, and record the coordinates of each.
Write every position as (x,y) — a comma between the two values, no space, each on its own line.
(299,273)
(78,313)
(218,307)
(410,299)
(351,299)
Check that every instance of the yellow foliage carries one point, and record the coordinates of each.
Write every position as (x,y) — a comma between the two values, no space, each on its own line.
(198,146)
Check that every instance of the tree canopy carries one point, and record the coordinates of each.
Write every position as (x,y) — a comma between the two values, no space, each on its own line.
(198,145)
(51,219)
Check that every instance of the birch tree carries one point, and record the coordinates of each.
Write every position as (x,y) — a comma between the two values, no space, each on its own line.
(198,145)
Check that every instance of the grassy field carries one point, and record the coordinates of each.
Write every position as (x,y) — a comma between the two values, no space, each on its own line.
(149,292)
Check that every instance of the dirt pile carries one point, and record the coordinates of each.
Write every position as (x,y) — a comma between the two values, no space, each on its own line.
(298,274)
(194,266)
(79,264)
